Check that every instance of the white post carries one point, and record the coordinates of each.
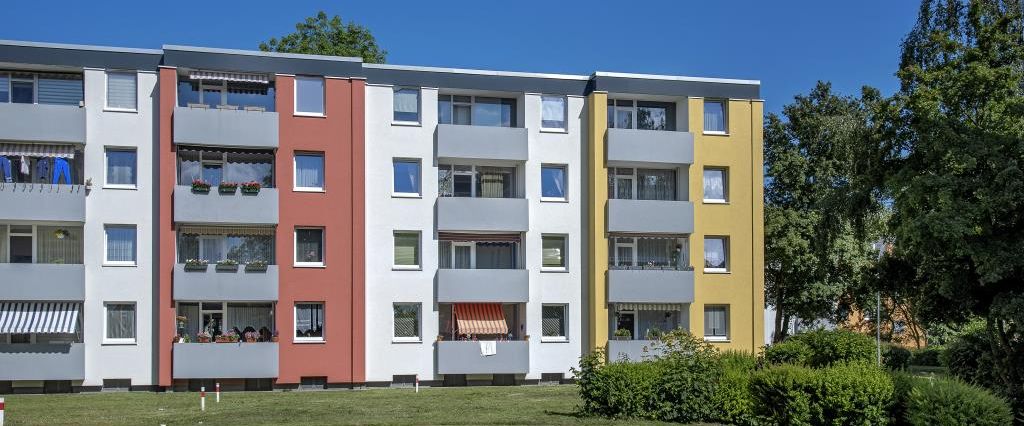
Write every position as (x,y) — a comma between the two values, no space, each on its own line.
(202,398)
(218,391)
(417,385)
(1,412)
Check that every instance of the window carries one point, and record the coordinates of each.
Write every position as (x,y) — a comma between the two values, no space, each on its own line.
(714,117)
(120,323)
(476,181)
(121,168)
(407,322)
(121,243)
(215,165)
(641,184)
(553,113)
(309,96)
(122,91)
(23,88)
(309,172)
(552,183)
(476,110)
(716,254)
(648,253)
(309,322)
(715,185)
(5,88)
(407,105)
(406,177)
(477,254)
(553,252)
(716,323)
(407,249)
(643,115)
(309,247)
(553,322)
(253,96)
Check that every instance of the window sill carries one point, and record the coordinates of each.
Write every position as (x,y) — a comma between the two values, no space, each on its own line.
(553,200)
(309,265)
(309,114)
(122,187)
(405,195)
(554,340)
(120,265)
(559,131)
(717,339)
(555,270)
(309,342)
(126,110)
(724,202)
(716,271)
(710,133)
(309,190)
(399,340)
(406,268)
(407,123)
(118,343)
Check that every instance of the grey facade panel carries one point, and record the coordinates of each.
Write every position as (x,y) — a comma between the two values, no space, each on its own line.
(224,360)
(482,142)
(229,128)
(654,86)
(650,216)
(649,147)
(44,282)
(237,208)
(214,285)
(650,286)
(499,83)
(43,361)
(483,214)
(42,123)
(463,357)
(76,56)
(253,61)
(633,350)
(483,285)
(42,202)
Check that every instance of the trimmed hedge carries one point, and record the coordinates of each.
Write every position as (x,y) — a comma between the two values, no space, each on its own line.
(841,394)
(822,348)
(733,403)
(782,395)
(944,402)
(789,351)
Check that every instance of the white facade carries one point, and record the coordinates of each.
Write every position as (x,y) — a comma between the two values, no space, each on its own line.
(386,213)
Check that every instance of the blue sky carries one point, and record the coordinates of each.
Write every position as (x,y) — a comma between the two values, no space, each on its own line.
(788,45)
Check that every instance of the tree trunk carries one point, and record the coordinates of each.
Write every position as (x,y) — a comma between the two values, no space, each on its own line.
(1004,357)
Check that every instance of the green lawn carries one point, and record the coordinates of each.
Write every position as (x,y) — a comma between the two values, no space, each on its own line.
(463,405)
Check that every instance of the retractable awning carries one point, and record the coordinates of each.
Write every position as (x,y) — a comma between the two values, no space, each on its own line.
(472,237)
(37,150)
(228,76)
(39,317)
(480,318)
(648,306)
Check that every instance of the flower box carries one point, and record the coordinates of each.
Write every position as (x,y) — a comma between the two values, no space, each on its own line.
(203,339)
(200,186)
(256,266)
(227,268)
(196,265)
(251,187)
(227,187)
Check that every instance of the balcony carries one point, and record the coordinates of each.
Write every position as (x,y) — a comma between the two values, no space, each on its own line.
(42,202)
(24,281)
(463,357)
(42,123)
(463,142)
(483,214)
(224,360)
(216,208)
(483,285)
(650,286)
(650,216)
(649,148)
(43,361)
(234,286)
(225,127)
(633,350)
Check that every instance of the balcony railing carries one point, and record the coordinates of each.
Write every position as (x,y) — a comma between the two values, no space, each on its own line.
(637,148)
(650,286)
(214,207)
(634,350)
(42,202)
(650,216)
(482,143)
(42,361)
(42,123)
(483,214)
(42,281)
(225,360)
(483,285)
(228,284)
(225,127)
(463,357)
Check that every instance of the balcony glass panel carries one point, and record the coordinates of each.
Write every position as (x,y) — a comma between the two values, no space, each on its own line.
(216,166)
(218,318)
(53,244)
(240,244)
(477,181)
(648,253)
(226,94)
(642,184)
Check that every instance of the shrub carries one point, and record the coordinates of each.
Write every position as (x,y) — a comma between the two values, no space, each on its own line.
(969,359)
(930,356)
(895,357)
(782,394)
(618,389)
(733,402)
(902,383)
(857,393)
(691,371)
(821,348)
(790,351)
(949,402)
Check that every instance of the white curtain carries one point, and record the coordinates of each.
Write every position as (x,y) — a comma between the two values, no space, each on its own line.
(444,254)
(715,321)
(120,321)
(407,101)
(120,243)
(656,184)
(255,316)
(309,319)
(121,167)
(714,184)
(553,112)
(309,171)
(192,319)
(121,90)
(714,116)
(59,244)
(714,253)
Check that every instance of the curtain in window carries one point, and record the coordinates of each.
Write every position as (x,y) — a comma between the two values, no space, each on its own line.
(120,321)
(309,320)
(407,249)
(553,252)
(444,254)
(120,244)
(255,316)
(309,95)
(463,256)
(656,184)
(553,321)
(714,116)
(59,244)
(309,171)
(553,112)
(714,184)
(309,247)
(495,256)
(121,90)
(121,167)
(193,321)
(495,182)
(714,253)
(407,104)
(715,321)
(407,318)
(656,252)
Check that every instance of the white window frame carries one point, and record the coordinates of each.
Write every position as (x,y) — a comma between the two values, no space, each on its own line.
(35,87)
(106,169)
(295,97)
(615,112)
(565,254)
(565,183)
(564,338)
(725,186)
(106,91)
(107,262)
(419,251)
(111,341)
(632,249)
(295,323)
(419,324)
(725,117)
(419,178)
(725,250)
(32,235)
(419,106)
(728,322)
(295,171)
(565,115)
(633,179)
(323,248)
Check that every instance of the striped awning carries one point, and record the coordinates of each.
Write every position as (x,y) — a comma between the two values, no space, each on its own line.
(648,306)
(480,318)
(646,236)
(37,150)
(226,230)
(39,317)
(228,76)
(469,237)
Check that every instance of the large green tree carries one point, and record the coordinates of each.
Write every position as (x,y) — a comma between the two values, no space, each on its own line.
(958,188)
(320,35)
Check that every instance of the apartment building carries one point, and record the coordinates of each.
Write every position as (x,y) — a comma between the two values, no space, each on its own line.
(345,224)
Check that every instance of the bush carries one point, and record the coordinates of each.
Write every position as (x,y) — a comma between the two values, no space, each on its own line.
(782,395)
(949,402)
(618,389)
(902,383)
(821,348)
(733,401)
(895,357)
(969,358)
(929,356)
(790,351)
(841,394)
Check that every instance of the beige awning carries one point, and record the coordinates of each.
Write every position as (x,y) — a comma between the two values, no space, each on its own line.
(225,230)
(37,150)
(228,76)
(649,306)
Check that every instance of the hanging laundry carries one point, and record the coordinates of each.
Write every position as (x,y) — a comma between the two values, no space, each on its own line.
(24,165)
(42,170)
(5,168)
(61,169)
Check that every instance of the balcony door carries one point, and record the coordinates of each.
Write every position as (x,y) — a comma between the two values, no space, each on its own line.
(626,320)
(625,252)
(19,242)
(623,184)
(211,248)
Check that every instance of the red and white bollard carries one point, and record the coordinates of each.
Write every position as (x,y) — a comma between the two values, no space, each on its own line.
(218,391)
(417,385)
(202,398)
(1,412)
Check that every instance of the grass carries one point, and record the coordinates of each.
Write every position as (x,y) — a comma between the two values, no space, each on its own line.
(463,405)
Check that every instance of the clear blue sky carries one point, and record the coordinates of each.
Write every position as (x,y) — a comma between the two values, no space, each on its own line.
(788,45)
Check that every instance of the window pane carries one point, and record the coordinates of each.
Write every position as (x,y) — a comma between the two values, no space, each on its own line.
(714,184)
(553,320)
(258,95)
(309,171)
(309,95)
(120,167)
(715,253)
(407,249)
(121,90)
(407,177)
(60,89)
(121,244)
(407,320)
(120,321)
(59,244)
(716,321)
(553,112)
(22,92)
(714,116)
(487,112)
(496,182)
(213,173)
(656,184)
(309,245)
(444,109)
(250,167)
(553,182)
(5,84)
(553,252)
(407,105)
(655,116)
(309,320)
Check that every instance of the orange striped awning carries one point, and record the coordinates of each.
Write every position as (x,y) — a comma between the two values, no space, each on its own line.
(480,318)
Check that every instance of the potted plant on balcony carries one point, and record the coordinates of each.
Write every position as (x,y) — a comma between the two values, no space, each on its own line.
(227,265)
(251,336)
(274,337)
(200,186)
(256,266)
(196,264)
(622,334)
(251,187)
(654,333)
(203,337)
(227,187)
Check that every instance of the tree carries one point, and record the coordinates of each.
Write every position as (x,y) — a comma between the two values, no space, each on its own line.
(318,35)
(959,186)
